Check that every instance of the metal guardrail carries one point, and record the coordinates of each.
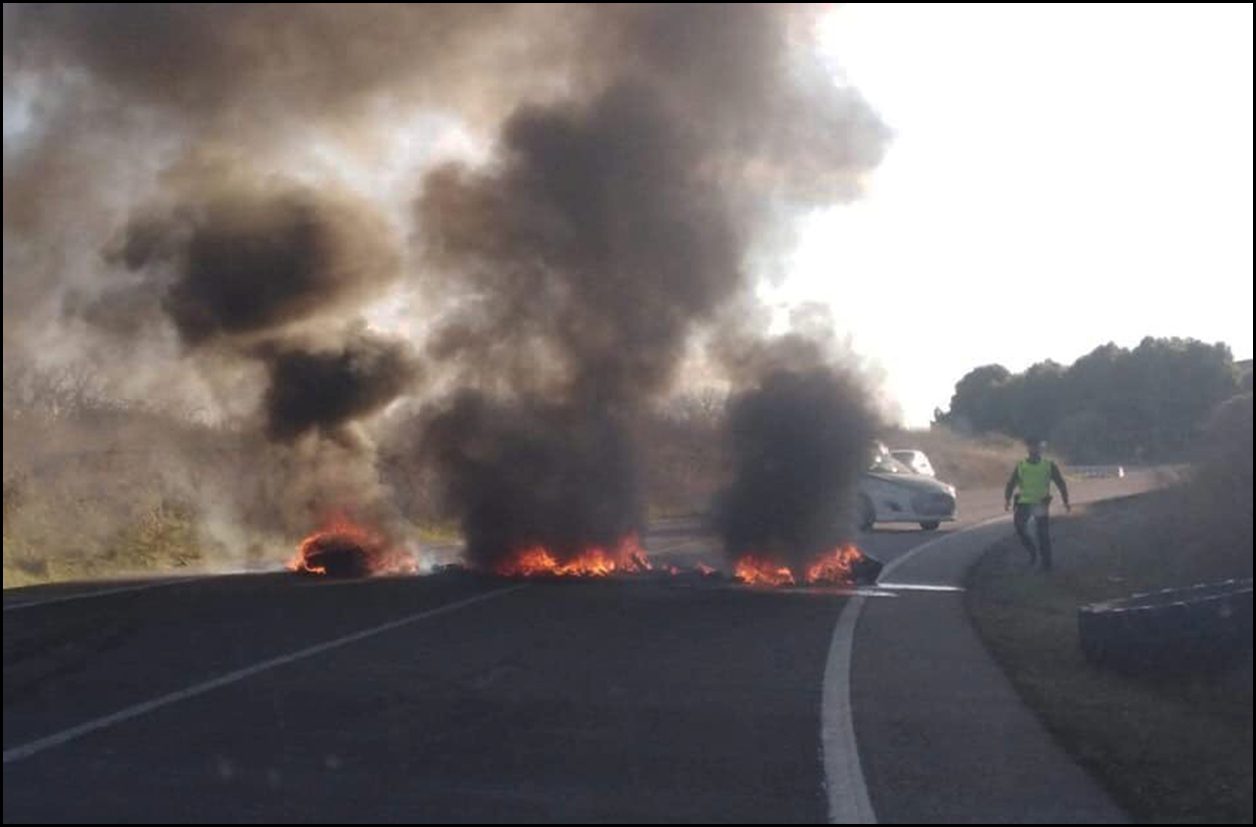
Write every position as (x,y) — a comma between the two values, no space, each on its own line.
(1094,471)
(1197,628)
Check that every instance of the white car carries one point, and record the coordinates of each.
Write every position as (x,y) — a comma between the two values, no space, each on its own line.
(890,492)
(915,460)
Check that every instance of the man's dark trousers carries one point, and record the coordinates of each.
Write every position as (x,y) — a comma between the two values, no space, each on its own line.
(1042,523)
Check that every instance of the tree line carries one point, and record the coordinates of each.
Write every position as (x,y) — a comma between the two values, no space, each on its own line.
(1114,404)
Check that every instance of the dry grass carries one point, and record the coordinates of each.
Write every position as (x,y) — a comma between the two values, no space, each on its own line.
(90,497)
(51,534)
(965,462)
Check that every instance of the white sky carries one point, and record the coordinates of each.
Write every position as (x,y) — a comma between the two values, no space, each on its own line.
(1060,177)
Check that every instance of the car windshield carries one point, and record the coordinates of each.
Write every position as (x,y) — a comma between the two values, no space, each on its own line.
(885,463)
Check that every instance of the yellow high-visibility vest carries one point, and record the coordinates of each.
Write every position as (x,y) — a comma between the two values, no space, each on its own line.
(1035,480)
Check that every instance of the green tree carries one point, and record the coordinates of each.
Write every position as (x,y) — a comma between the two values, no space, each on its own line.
(977,405)
(1111,404)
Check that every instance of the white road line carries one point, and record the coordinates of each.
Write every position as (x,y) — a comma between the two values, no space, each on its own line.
(102,592)
(843,773)
(23,751)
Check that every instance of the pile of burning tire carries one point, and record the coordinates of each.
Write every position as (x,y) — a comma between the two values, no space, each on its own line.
(337,555)
(1195,629)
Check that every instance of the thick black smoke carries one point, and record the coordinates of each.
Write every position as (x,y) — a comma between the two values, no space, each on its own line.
(262,275)
(587,254)
(325,389)
(525,475)
(605,232)
(249,261)
(270,276)
(799,441)
(638,156)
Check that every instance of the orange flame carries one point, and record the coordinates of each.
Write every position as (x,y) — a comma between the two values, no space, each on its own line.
(372,552)
(836,566)
(627,556)
(762,571)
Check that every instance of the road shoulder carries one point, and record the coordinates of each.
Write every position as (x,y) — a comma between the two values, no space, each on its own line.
(943,735)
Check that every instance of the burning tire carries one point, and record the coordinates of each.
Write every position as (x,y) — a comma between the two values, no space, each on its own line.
(843,566)
(344,548)
(338,556)
(1199,628)
(866,570)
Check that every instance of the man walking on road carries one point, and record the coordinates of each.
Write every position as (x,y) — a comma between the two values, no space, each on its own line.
(1033,476)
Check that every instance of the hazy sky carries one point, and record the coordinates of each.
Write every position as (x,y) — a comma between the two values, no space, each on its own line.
(1061,177)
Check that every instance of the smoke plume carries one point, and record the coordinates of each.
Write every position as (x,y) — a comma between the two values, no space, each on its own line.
(528,475)
(326,389)
(603,234)
(799,440)
(195,189)
(228,263)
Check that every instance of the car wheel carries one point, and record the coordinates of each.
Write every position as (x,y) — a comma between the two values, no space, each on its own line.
(867,514)
(930,525)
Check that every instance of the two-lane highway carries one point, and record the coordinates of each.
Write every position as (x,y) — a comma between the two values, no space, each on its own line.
(440,698)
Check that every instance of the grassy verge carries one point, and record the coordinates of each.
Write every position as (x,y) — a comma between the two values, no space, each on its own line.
(163,535)
(1169,751)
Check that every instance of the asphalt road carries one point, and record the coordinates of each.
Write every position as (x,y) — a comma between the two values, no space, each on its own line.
(442,698)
